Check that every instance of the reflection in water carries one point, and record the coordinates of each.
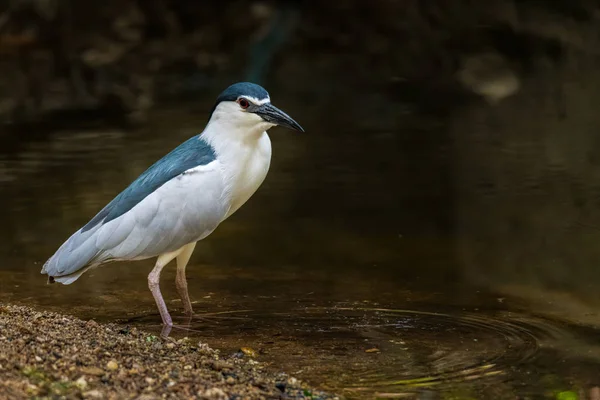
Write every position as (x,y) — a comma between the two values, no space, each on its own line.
(319,270)
(384,350)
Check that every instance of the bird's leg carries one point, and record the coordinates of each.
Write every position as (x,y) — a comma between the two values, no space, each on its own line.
(180,282)
(153,284)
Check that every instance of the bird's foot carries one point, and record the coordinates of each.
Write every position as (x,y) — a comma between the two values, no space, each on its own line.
(166,331)
(166,317)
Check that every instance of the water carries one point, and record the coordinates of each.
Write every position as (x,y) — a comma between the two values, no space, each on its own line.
(376,261)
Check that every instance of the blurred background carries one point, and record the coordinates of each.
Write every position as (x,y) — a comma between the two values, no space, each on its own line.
(442,208)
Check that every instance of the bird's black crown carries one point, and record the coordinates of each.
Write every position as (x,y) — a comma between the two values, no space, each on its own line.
(242,89)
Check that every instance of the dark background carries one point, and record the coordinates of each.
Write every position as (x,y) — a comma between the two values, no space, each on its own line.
(512,182)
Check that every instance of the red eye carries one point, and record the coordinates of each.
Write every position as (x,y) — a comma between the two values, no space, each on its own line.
(243,103)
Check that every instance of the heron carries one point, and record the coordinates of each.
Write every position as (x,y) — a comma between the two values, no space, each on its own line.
(182,198)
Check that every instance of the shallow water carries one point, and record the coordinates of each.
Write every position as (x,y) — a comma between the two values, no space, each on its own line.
(369,263)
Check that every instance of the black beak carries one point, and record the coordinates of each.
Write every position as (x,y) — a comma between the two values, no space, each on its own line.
(274,115)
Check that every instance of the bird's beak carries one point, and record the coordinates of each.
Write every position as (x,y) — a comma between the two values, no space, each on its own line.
(274,115)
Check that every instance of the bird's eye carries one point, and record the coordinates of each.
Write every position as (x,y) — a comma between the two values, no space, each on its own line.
(243,103)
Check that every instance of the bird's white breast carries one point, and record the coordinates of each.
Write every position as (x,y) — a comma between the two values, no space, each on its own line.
(245,164)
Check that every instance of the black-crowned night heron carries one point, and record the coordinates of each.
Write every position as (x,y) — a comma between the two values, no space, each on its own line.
(182,198)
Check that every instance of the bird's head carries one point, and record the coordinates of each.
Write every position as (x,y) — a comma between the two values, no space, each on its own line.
(247,106)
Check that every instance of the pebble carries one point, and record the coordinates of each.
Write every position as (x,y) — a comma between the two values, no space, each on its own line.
(219,365)
(112,365)
(81,383)
(157,346)
(91,324)
(203,348)
(148,396)
(170,345)
(93,394)
(94,371)
(32,389)
(250,352)
(281,386)
(213,394)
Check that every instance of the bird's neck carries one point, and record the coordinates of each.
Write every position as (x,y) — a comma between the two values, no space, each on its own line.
(244,157)
(229,137)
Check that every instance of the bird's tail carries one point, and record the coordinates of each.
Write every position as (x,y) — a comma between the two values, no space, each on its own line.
(68,279)
(78,254)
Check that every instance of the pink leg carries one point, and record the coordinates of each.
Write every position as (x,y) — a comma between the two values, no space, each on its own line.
(153,284)
(180,282)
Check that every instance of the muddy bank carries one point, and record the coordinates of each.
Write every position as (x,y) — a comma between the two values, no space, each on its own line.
(50,355)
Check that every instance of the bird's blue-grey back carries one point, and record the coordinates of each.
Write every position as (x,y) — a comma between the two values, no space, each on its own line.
(192,153)
(162,210)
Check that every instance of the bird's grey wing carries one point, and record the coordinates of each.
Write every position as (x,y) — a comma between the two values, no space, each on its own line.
(183,210)
(180,199)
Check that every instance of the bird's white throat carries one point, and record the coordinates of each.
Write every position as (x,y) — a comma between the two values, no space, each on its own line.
(243,151)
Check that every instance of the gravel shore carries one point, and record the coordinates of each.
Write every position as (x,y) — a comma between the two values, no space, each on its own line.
(49,355)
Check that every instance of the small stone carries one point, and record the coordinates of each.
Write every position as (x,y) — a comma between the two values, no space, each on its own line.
(32,389)
(203,348)
(219,365)
(91,324)
(149,380)
(292,381)
(170,345)
(38,358)
(148,396)
(187,367)
(93,394)
(213,394)
(112,365)
(183,340)
(94,371)
(81,383)
(157,346)
(250,352)
(230,380)
(373,350)
(281,386)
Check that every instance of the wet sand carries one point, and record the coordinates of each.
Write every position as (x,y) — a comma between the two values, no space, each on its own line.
(49,355)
